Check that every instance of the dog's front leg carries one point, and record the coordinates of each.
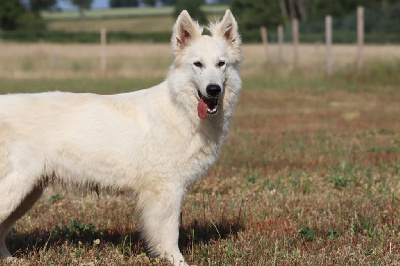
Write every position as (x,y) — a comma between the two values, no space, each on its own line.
(159,209)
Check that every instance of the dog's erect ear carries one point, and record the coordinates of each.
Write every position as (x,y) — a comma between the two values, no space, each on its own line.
(228,29)
(185,30)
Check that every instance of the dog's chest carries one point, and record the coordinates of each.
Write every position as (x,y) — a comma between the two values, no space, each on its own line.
(188,158)
(203,152)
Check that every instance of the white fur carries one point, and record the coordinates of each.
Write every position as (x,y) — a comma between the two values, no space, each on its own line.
(150,143)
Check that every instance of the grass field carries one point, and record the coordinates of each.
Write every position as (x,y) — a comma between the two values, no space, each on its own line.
(133,25)
(144,23)
(130,20)
(139,60)
(126,12)
(310,173)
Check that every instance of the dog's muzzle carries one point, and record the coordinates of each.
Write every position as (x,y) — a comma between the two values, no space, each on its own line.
(208,104)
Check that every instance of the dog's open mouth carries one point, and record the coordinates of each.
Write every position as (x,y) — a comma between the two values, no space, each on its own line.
(207,105)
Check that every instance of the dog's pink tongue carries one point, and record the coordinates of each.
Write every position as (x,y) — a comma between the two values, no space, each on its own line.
(202,109)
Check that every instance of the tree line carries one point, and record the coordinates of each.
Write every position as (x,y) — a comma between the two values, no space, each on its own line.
(256,13)
(251,14)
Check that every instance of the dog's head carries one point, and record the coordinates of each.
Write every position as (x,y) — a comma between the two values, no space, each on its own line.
(204,63)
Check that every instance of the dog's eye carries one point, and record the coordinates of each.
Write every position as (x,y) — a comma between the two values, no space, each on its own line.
(221,63)
(198,64)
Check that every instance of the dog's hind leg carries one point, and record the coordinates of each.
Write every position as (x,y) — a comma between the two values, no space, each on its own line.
(159,221)
(16,198)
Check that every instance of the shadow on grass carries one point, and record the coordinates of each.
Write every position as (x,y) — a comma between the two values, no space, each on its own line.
(24,244)
(195,233)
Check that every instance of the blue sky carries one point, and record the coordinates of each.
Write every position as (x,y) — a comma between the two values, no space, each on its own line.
(97,4)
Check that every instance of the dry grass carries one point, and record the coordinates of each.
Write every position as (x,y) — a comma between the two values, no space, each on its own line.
(306,177)
(310,173)
(65,61)
(152,60)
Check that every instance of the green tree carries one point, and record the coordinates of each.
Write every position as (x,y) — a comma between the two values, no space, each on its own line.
(169,2)
(150,2)
(252,14)
(224,2)
(37,5)
(10,12)
(194,9)
(82,5)
(124,3)
(318,9)
(13,15)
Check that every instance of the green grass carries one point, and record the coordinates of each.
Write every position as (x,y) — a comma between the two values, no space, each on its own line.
(309,175)
(150,21)
(375,76)
(109,13)
(130,25)
(132,12)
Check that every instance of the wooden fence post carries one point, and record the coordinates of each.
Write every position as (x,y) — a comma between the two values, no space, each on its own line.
(264,38)
(103,34)
(280,41)
(295,30)
(328,39)
(360,36)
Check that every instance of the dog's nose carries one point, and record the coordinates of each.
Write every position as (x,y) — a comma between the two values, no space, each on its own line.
(213,90)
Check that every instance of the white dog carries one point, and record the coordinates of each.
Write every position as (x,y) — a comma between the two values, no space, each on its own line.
(152,143)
